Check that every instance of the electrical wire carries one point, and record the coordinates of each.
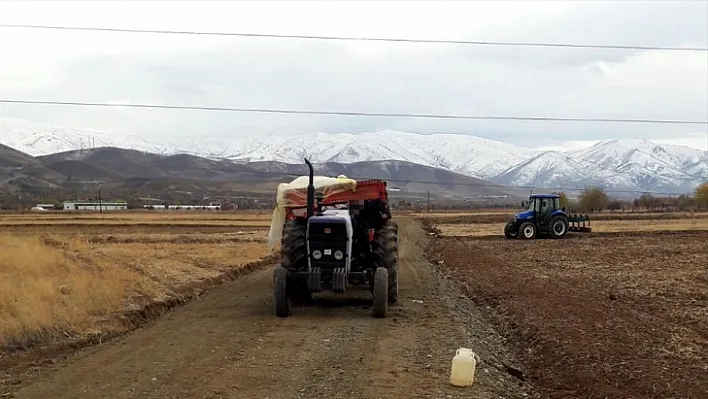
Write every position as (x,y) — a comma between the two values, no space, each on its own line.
(372,39)
(343,113)
(352,113)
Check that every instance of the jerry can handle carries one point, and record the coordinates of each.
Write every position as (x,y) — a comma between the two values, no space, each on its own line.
(457,352)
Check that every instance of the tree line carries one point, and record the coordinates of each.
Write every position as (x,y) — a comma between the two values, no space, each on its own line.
(594,199)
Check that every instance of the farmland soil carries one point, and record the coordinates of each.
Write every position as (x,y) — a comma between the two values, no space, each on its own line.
(229,344)
(598,315)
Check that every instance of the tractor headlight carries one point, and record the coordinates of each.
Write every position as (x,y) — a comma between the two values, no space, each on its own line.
(338,255)
(317,254)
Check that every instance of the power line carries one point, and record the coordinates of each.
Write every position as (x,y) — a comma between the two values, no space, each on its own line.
(371,39)
(353,113)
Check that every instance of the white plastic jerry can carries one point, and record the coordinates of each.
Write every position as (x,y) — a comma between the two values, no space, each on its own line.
(463,368)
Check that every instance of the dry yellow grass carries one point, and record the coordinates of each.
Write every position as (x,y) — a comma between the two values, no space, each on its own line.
(169,266)
(158,222)
(45,292)
(167,237)
(54,287)
(120,217)
(600,226)
(137,216)
(238,223)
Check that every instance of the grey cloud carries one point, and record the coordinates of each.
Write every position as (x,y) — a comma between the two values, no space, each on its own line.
(640,23)
(322,75)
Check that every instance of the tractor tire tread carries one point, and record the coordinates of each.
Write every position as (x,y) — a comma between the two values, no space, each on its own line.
(380,302)
(551,232)
(280,286)
(521,230)
(293,255)
(508,233)
(385,254)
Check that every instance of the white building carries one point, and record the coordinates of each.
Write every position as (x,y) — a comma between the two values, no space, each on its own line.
(95,206)
(210,207)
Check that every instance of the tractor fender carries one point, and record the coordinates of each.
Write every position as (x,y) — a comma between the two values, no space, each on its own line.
(558,212)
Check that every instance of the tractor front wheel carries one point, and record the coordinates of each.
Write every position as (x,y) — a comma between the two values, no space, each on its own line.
(527,230)
(380,304)
(280,288)
(558,227)
(510,232)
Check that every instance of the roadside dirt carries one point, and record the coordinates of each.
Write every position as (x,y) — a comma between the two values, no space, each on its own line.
(229,344)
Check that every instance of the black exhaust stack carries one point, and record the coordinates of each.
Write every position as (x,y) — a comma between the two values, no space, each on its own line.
(310,191)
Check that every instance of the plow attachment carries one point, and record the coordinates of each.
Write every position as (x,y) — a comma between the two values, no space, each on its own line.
(579,224)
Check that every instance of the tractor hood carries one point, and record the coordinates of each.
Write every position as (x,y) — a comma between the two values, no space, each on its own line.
(524,215)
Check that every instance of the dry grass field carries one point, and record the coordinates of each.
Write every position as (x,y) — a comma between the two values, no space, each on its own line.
(66,277)
(621,312)
(136,218)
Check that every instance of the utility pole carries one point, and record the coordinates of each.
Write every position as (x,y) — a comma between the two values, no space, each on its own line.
(428,201)
(100,203)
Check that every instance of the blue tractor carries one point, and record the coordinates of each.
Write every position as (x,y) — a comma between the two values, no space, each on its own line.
(544,217)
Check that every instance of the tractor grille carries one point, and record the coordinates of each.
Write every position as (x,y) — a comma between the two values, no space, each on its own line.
(327,235)
(328,238)
(328,248)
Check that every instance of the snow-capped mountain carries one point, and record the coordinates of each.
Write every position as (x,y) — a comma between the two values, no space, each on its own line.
(468,155)
(633,164)
(549,168)
(40,139)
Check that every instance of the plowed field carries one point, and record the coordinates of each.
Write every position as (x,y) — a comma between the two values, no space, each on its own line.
(595,315)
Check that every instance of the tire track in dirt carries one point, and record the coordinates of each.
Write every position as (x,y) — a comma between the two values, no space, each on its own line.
(229,344)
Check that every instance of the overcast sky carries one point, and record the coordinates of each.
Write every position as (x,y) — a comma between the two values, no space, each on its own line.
(355,76)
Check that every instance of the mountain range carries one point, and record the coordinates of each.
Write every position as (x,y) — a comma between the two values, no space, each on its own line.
(620,165)
(137,175)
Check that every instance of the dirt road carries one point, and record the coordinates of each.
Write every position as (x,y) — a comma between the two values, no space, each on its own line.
(229,344)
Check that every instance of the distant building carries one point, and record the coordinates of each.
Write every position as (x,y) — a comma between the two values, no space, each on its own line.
(95,206)
(210,207)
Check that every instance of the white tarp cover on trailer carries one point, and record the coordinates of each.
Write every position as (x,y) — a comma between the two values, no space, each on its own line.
(330,186)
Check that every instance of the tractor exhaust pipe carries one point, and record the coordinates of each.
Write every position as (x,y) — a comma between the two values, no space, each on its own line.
(310,191)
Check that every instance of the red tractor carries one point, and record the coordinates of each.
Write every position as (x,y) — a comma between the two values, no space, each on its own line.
(334,238)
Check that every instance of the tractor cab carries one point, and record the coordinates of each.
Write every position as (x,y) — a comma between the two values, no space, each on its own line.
(539,206)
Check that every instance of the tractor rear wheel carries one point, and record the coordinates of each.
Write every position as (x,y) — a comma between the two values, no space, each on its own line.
(395,228)
(293,256)
(384,250)
(280,288)
(380,304)
(527,230)
(558,227)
